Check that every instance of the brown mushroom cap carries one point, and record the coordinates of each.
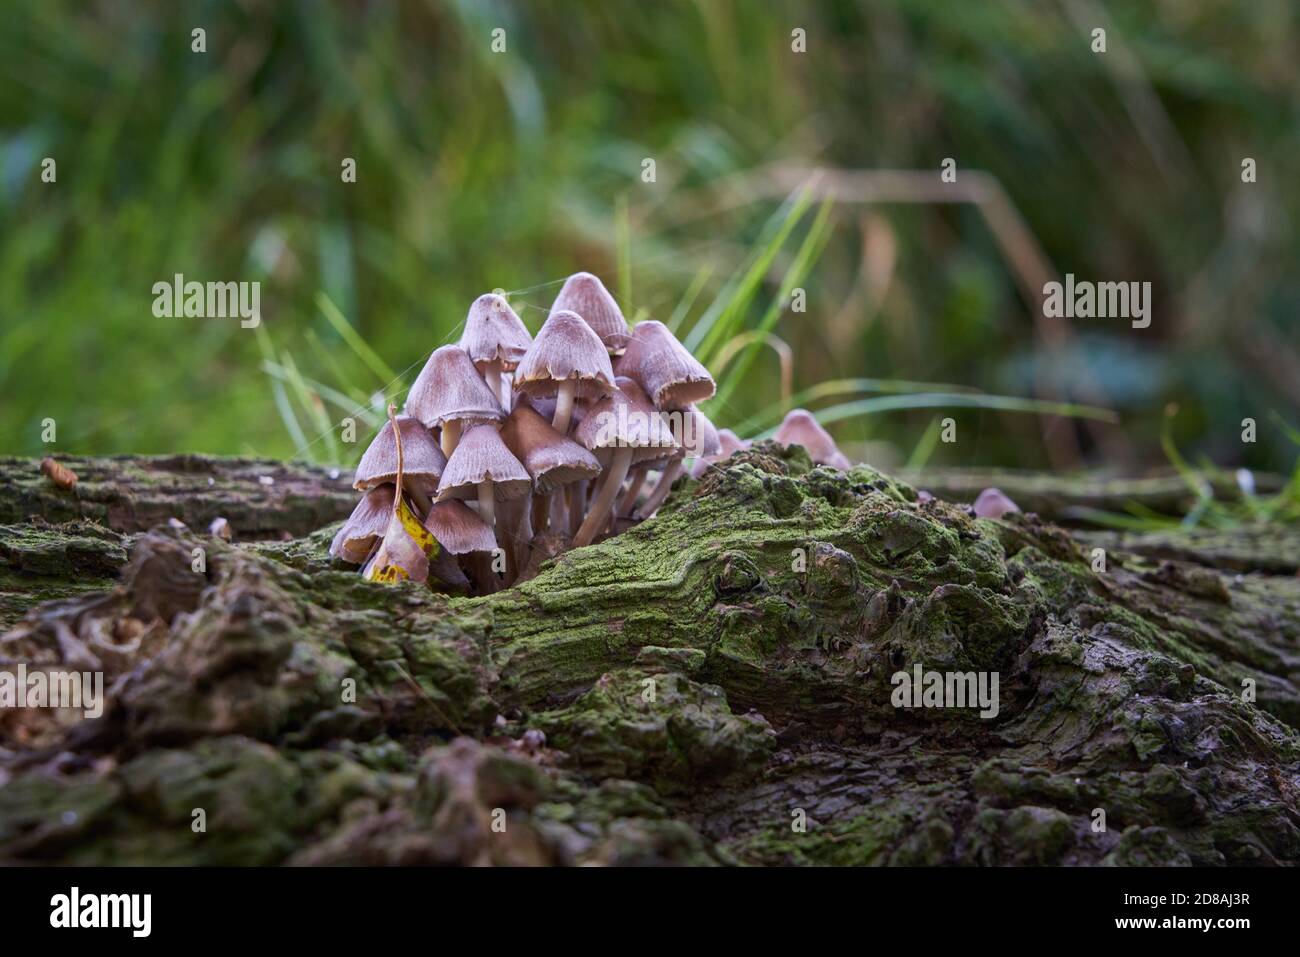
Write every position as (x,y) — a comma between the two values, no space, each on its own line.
(586,295)
(480,457)
(565,348)
(670,375)
(448,388)
(458,528)
(365,526)
(550,458)
(494,333)
(800,428)
(422,459)
(627,418)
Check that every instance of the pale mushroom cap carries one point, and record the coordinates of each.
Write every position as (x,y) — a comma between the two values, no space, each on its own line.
(422,459)
(994,503)
(449,387)
(703,439)
(366,524)
(586,295)
(494,333)
(670,375)
(481,455)
(458,528)
(565,348)
(627,418)
(550,458)
(800,428)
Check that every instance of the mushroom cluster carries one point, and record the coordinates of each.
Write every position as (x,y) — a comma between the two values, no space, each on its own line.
(511,448)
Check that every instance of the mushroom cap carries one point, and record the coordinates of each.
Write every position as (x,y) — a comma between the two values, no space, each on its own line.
(670,375)
(550,458)
(565,348)
(365,526)
(704,439)
(458,528)
(994,503)
(450,387)
(800,428)
(586,295)
(422,459)
(494,333)
(627,418)
(481,456)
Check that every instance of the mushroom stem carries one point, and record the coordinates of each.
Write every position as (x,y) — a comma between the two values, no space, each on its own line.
(604,499)
(564,406)
(450,436)
(492,376)
(661,490)
(577,496)
(628,501)
(541,512)
(487,503)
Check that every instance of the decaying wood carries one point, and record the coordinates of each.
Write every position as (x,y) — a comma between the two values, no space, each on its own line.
(713,686)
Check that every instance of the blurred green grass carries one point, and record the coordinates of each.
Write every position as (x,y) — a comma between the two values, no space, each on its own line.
(478,170)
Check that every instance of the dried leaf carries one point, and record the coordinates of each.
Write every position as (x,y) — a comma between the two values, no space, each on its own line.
(59,474)
(405,550)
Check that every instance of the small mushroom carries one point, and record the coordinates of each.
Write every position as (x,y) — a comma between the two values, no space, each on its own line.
(550,458)
(619,429)
(365,526)
(496,340)
(587,296)
(799,427)
(992,503)
(424,461)
(483,467)
(568,361)
(449,393)
(670,375)
(460,532)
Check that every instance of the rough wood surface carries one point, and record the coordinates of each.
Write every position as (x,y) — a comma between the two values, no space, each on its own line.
(713,686)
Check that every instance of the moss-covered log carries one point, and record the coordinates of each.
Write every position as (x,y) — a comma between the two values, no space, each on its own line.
(715,685)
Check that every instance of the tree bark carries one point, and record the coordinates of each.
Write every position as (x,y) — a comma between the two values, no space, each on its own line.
(717,685)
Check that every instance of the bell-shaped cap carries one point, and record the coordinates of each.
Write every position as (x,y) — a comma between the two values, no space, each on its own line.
(481,456)
(628,418)
(671,376)
(586,295)
(565,348)
(448,388)
(422,459)
(458,528)
(365,526)
(800,428)
(550,458)
(994,503)
(494,333)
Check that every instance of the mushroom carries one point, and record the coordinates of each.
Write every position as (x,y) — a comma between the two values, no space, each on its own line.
(568,361)
(699,439)
(459,531)
(550,458)
(993,503)
(450,393)
(670,375)
(482,466)
(800,428)
(496,339)
(586,295)
(619,429)
(424,461)
(365,526)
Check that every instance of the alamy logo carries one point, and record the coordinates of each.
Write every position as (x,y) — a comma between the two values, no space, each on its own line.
(103,910)
(1098,300)
(210,300)
(651,428)
(40,688)
(946,689)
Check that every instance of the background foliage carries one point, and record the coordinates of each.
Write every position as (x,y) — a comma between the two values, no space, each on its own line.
(478,170)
